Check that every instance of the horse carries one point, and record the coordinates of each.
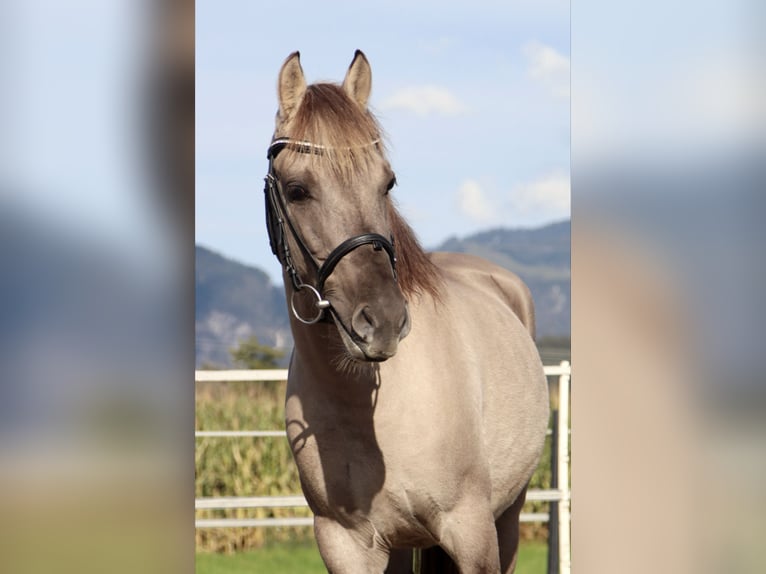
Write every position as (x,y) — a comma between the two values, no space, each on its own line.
(416,405)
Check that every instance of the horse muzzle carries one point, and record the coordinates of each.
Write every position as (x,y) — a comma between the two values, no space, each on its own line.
(374,331)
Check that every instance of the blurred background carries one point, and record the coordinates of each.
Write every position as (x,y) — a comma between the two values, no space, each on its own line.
(96,296)
(668,133)
(97,308)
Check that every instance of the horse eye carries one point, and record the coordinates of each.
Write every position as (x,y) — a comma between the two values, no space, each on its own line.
(391,184)
(296,193)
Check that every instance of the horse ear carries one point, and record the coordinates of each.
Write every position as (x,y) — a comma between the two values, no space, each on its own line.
(358,81)
(292,86)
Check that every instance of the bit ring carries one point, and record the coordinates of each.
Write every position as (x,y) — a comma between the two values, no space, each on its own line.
(321,305)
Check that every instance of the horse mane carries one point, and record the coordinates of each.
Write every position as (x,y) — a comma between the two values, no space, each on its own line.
(353,142)
(417,273)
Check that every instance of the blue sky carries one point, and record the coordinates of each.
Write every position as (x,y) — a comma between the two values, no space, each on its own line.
(474,97)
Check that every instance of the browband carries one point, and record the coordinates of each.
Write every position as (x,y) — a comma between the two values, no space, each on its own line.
(300,146)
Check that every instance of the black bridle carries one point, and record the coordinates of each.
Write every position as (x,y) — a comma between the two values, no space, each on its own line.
(276,219)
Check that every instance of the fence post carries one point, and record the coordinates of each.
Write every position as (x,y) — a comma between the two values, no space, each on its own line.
(563,473)
(553,512)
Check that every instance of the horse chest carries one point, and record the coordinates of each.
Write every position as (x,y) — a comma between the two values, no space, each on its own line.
(340,465)
(346,476)
(356,493)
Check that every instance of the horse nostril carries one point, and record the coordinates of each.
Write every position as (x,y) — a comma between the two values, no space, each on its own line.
(364,323)
(369,317)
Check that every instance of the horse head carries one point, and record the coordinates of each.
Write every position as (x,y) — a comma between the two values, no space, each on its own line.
(331,221)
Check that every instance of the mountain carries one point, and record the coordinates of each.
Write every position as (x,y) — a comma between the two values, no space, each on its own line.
(235,301)
(541,257)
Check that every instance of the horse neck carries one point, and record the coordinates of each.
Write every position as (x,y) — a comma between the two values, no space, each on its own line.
(316,358)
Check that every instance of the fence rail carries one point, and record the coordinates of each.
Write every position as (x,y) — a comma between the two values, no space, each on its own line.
(239,433)
(540,495)
(560,495)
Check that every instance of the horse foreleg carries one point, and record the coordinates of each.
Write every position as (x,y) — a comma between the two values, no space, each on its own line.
(468,535)
(508,534)
(347,551)
(400,561)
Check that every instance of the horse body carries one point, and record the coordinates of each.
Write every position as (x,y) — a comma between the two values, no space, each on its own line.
(413,451)
(417,411)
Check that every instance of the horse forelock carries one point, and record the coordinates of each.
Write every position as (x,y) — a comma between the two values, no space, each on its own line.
(352,143)
(351,139)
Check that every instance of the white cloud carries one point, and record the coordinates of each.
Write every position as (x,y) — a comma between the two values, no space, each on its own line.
(474,203)
(549,67)
(529,203)
(425,100)
(547,197)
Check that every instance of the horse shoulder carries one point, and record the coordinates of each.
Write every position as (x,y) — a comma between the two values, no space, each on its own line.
(484,275)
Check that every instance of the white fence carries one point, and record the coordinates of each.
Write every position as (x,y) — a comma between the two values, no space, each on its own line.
(560,495)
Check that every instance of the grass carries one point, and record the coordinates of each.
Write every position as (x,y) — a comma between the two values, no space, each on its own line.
(281,558)
(304,559)
(533,558)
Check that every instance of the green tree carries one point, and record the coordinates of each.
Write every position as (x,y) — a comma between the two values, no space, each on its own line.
(250,354)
